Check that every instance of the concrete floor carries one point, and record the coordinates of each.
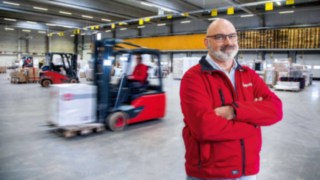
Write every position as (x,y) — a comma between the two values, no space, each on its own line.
(152,150)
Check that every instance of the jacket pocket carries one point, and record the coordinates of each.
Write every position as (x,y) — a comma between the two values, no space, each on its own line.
(197,154)
(227,154)
(204,153)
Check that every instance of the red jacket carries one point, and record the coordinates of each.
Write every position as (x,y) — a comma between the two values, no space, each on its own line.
(140,73)
(216,147)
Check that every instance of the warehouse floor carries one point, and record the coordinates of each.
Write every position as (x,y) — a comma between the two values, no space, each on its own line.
(152,150)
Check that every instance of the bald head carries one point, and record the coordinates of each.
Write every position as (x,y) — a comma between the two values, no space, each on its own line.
(220,26)
(221,41)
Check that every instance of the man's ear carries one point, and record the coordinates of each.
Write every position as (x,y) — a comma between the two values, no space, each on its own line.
(206,43)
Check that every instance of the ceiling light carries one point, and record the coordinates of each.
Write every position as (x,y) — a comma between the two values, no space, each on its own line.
(10,3)
(278,2)
(161,24)
(40,8)
(9,19)
(31,22)
(141,27)
(67,26)
(86,16)
(26,30)
(185,22)
(9,29)
(146,4)
(247,15)
(160,7)
(107,20)
(123,29)
(49,24)
(166,9)
(65,12)
(286,12)
(212,19)
(41,32)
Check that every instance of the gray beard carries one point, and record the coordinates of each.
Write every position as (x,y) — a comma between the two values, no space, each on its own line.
(223,57)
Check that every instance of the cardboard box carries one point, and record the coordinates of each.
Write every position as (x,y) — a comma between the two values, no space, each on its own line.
(32,74)
(72,104)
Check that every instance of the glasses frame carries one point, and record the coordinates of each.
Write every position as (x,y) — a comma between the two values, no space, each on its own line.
(233,37)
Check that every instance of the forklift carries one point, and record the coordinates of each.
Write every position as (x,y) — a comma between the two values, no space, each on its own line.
(60,68)
(118,104)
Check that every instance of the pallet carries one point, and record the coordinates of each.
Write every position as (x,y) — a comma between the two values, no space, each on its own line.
(82,129)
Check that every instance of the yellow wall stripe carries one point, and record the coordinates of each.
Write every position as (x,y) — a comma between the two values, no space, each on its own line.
(179,42)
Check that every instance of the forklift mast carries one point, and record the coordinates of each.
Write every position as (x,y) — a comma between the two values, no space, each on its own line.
(103,57)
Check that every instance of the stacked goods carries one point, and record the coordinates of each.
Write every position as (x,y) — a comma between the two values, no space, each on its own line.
(240,39)
(253,39)
(306,38)
(89,74)
(262,39)
(32,74)
(24,75)
(270,77)
(182,65)
(317,37)
(3,69)
(269,38)
(18,76)
(291,38)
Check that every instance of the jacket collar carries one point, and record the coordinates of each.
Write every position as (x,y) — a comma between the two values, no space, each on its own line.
(205,66)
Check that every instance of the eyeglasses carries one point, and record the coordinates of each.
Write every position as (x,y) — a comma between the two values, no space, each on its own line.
(222,37)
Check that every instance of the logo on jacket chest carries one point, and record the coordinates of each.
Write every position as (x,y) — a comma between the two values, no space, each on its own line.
(245,85)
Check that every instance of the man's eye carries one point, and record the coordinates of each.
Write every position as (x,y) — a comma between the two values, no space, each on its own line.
(219,37)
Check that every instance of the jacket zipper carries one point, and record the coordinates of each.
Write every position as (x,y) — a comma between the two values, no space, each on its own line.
(243,156)
(221,97)
(199,153)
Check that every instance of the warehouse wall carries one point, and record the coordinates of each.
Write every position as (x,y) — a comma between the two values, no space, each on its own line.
(37,44)
(12,42)
(61,44)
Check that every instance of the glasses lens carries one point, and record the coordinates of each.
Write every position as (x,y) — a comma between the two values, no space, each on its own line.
(233,37)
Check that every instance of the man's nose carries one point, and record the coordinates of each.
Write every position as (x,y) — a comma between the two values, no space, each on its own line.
(227,40)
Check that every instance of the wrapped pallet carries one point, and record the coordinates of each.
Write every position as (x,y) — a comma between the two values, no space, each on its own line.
(181,65)
(72,104)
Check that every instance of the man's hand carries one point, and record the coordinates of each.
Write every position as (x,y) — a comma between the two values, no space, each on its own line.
(226,112)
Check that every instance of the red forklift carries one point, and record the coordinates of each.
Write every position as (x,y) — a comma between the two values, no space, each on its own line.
(60,68)
(118,104)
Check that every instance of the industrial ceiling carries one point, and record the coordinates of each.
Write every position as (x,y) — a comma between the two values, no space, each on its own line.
(67,15)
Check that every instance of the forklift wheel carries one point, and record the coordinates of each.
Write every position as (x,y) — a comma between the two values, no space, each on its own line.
(45,83)
(73,81)
(116,121)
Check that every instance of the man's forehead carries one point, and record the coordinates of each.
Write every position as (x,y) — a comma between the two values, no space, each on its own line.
(223,30)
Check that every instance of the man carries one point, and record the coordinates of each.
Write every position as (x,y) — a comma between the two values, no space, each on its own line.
(140,72)
(139,76)
(224,106)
